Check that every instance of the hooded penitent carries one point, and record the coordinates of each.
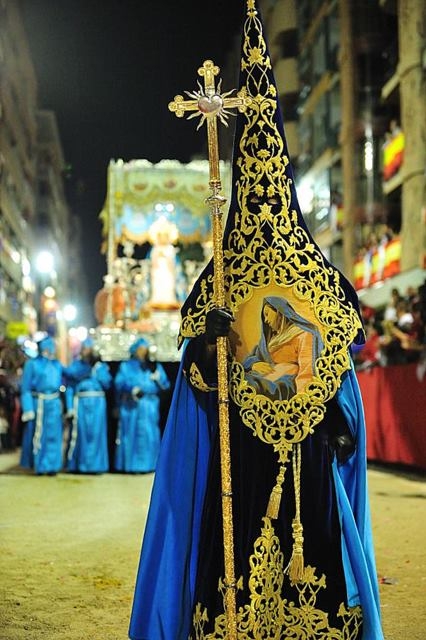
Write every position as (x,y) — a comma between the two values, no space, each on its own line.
(139,342)
(46,346)
(304,562)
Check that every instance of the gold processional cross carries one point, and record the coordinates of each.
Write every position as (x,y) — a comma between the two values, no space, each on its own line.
(209,104)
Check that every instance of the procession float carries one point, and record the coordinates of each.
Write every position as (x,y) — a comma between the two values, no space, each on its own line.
(156,239)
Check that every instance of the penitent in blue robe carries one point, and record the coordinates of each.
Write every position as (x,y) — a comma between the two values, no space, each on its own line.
(42,415)
(171,563)
(139,435)
(86,402)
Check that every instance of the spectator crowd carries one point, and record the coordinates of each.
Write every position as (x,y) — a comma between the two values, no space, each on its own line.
(395,334)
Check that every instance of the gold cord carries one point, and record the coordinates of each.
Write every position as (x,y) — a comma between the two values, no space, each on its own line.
(296,566)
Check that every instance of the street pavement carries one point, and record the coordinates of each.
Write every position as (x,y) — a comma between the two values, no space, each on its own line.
(71,544)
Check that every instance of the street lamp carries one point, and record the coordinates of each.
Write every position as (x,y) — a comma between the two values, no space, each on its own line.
(45,262)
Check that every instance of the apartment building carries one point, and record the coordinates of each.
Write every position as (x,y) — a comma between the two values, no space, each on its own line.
(18,156)
(34,214)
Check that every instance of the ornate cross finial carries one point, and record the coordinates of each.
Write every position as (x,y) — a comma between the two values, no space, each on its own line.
(208,102)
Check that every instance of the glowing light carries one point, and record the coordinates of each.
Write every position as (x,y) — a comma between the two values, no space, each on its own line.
(69,312)
(26,267)
(45,262)
(50,305)
(368,156)
(82,333)
(306,196)
(49,292)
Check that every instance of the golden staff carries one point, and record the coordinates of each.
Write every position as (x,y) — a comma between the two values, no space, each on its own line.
(210,104)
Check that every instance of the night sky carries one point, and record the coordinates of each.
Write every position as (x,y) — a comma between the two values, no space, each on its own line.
(109,69)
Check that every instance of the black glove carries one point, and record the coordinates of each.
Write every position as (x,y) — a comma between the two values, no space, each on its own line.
(344,447)
(218,324)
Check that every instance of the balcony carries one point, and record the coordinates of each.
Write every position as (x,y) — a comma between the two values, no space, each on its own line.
(391,85)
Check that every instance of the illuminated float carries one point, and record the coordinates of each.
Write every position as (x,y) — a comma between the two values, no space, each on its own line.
(157,238)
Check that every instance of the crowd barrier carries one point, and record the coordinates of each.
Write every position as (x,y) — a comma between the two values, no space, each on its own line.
(395,412)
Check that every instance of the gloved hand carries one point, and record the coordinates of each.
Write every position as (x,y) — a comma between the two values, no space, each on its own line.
(218,324)
(137,393)
(27,416)
(340,439)
(155,376)
(344,446)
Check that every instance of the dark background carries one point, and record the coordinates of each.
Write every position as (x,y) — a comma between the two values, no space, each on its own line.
(109,69)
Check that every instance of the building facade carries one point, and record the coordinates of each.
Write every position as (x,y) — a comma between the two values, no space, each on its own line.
(34,215)
(18,157)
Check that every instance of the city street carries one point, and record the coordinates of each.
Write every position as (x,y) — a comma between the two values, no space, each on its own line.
(70,547)
(302,124)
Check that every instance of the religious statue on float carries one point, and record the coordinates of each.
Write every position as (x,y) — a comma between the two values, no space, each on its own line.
(167,281)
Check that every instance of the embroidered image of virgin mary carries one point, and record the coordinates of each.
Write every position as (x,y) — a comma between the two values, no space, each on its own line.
(283,362)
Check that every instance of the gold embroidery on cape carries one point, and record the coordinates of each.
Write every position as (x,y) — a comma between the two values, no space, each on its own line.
(284,259)
(269,615)
(196,379)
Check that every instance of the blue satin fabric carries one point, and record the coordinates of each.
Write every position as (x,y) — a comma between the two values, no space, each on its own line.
(164,592)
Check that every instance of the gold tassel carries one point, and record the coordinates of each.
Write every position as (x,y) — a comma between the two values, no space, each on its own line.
(274,502)
(275,498)
(296,566)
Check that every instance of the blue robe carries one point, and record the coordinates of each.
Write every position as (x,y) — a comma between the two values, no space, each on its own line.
(42,415)
(86,402)
(169,570)
(138,436)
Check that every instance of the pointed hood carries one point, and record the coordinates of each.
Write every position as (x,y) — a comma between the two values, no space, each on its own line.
(139,342)
(267,247)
